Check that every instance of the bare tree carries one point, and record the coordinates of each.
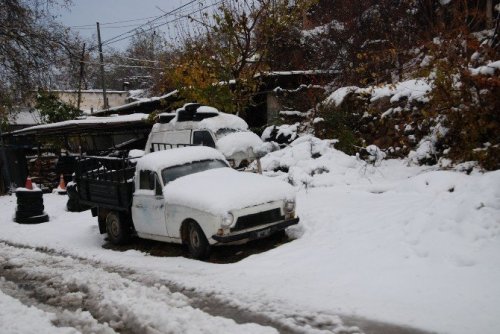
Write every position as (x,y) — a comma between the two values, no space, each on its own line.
(32,46)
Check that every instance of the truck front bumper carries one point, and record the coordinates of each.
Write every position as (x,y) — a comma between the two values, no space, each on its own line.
(255,234)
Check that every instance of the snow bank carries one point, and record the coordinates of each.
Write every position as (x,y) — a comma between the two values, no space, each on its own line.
(223,189)
(281,133)
(338,96)
(488,69)
(414,90)
(312,162)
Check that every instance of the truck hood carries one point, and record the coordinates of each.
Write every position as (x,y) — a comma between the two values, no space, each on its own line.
(220,190)
(241,145)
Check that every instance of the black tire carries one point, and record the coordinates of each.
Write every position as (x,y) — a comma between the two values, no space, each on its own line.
(27,214)
(33,220)
(72,205)
(72,192)
(30,207)
(30,201)
(28,196)
(117,228)
(197,241)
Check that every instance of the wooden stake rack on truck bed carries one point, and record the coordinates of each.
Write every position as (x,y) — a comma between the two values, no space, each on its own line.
(106,182)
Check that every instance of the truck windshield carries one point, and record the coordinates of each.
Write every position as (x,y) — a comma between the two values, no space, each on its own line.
(171,173)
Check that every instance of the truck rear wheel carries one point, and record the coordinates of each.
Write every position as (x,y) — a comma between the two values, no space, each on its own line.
(197,242)
(117,228)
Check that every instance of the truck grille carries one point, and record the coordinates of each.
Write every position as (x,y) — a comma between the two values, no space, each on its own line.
(256,219)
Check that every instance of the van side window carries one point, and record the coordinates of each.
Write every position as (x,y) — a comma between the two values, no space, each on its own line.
(203,138)
(144,180)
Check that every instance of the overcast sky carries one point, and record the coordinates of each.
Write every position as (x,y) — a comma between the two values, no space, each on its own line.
(83,15)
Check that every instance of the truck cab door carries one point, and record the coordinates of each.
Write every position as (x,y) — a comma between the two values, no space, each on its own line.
(148,206)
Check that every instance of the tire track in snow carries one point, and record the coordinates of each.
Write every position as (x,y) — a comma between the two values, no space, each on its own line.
(125,305)
(78,303)
(105,294)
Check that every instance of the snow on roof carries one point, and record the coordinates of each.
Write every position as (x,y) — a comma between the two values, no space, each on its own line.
(87,121)
(136,103)
(221,121)
(177,156)
(301,72)
(93,91)
(223,189)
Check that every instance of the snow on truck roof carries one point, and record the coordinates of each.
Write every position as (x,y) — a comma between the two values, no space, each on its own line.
(220,121)
(177,156)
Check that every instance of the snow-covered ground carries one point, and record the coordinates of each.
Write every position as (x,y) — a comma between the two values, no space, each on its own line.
(405,245)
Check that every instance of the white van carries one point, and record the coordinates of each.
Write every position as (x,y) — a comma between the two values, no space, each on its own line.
(194,125)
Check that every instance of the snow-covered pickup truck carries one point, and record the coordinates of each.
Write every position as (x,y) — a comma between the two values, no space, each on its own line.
(184,195)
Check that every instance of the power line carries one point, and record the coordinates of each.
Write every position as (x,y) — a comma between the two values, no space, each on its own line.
(112,27)
(136,59)
(120,65)
(162,24)
(115,22)
(149,22)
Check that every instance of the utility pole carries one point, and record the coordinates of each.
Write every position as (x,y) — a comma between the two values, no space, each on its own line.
(102,67)
(5,164)
(80,78)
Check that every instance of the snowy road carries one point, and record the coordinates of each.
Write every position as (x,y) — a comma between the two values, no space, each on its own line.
(78,295)
(42,291)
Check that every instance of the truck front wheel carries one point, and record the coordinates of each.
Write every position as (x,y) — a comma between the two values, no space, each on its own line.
(117,228)
(197,242)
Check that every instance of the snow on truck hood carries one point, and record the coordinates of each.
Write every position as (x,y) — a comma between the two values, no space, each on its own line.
(241,141)
(220,190)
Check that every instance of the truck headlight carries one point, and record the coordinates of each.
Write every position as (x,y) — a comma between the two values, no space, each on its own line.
(227,220)
(289,206)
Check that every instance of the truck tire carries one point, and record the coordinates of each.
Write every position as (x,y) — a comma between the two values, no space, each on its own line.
(197,241)
(117,228)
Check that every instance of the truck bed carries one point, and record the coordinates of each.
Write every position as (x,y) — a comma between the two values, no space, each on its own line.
(105,182)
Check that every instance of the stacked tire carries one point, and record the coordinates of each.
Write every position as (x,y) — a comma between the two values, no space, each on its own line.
(30,208)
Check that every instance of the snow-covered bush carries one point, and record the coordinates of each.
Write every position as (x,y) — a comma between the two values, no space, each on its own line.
(281,134)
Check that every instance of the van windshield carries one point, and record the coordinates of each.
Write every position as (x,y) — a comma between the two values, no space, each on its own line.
(225,131)
(171,173)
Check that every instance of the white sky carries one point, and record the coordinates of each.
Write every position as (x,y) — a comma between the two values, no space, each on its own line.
(88,12)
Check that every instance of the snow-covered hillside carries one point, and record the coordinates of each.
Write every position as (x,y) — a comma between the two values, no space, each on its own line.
(412,246)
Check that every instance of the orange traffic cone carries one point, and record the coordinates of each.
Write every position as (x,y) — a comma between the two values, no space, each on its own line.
(28,184)
(62,186)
